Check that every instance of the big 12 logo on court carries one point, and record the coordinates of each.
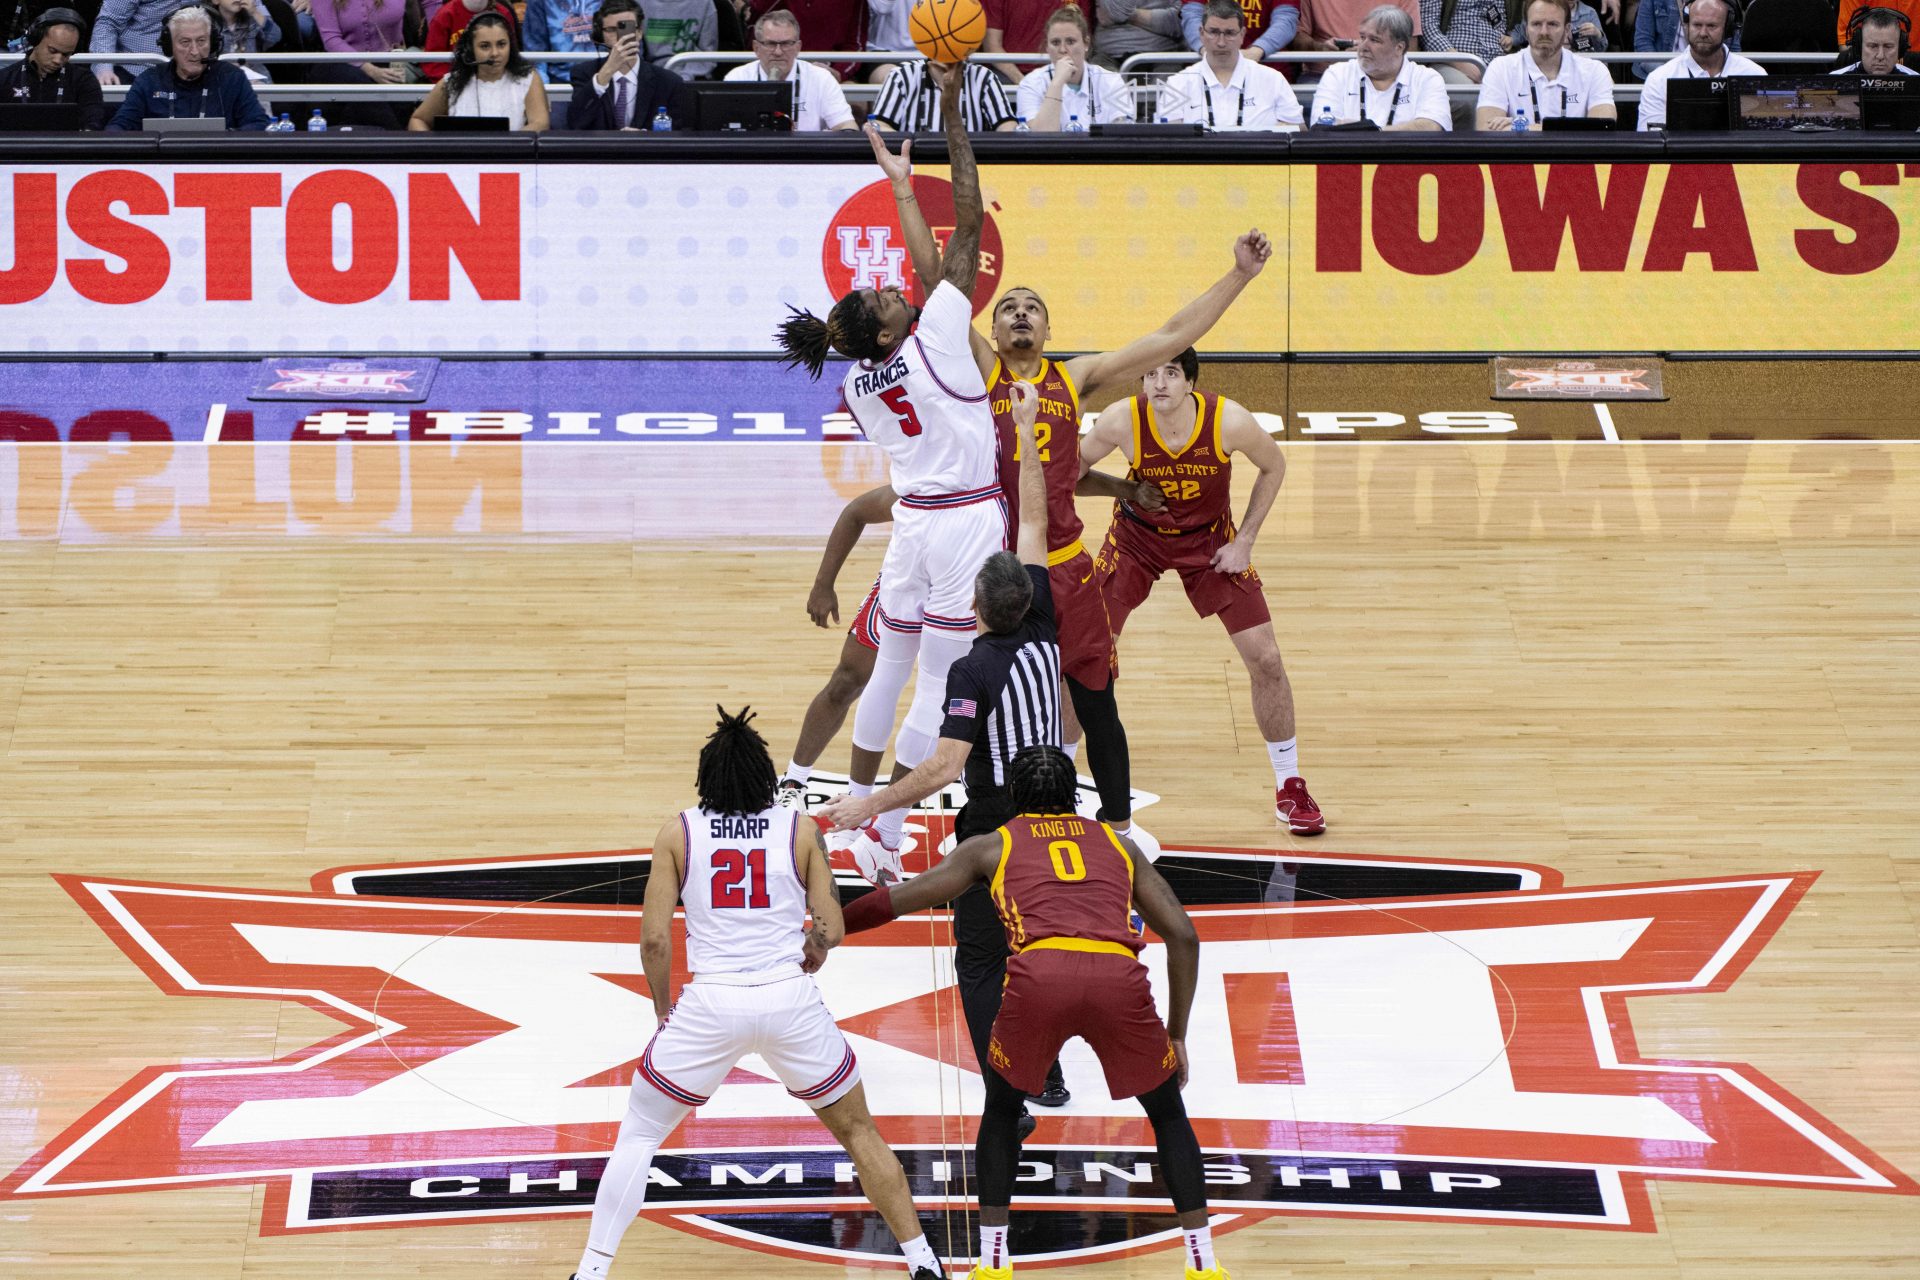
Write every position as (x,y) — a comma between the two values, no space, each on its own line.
(1449,1041)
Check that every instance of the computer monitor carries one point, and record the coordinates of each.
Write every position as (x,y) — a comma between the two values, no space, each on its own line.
(731,106)
(1577,124)
(1796,104)
(1891,102)
(39,117)
(472,124)
(1698,106)
(184,124)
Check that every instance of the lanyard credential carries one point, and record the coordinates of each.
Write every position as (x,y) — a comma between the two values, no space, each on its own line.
(1393,103)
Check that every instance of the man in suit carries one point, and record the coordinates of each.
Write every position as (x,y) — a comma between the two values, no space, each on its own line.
(624,92)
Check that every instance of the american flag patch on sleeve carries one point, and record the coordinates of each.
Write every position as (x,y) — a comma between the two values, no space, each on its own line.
(963,707)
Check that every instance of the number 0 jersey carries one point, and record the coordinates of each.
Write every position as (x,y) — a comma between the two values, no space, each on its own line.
(744,900)
(1065,883)
(927,407)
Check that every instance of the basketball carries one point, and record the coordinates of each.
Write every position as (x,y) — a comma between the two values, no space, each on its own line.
(947,30)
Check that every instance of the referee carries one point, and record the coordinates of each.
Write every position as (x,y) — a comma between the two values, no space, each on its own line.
(1002,697)
(909,101)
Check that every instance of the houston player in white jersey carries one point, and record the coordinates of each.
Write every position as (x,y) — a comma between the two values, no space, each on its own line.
(917,393)
(749,872)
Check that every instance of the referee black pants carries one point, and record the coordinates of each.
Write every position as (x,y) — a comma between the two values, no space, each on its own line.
(979,941)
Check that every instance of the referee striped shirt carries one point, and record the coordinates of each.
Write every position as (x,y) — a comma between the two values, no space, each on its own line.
(1004,695)
(910,101)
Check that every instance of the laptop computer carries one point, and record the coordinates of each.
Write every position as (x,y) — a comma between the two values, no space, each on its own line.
(472,124)
(1796,104)
(39,117)
(1698,106)
(184,124)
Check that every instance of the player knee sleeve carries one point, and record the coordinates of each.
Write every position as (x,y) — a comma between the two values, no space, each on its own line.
(937,653)
(873,715)
(1181,1166)
(910,745)
(996,1149)
(1106,741)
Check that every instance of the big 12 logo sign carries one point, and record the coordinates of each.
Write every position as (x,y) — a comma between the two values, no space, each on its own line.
(1384,1037)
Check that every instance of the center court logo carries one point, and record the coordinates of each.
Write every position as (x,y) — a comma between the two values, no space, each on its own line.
(1458,1045)
(864,248)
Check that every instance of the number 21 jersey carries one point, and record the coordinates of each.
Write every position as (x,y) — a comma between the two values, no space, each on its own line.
(926,404)
(742,893)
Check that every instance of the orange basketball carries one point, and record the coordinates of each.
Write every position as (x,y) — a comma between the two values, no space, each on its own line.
(947,30)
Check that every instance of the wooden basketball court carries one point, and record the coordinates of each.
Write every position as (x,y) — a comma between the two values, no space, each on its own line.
(1624,663)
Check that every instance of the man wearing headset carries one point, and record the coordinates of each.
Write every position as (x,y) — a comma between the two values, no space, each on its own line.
(194,82)
(1879,39)
(1708,25)
(624,91)
(46,76)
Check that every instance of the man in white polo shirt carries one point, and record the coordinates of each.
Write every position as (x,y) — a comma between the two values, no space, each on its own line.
(1225,91)
(1053,98)
(1709,25)
(1380,84)
(1546,78)
(818,102)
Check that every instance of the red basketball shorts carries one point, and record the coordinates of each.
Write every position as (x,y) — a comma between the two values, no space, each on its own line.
(1087,651)
(1134,556)
(1102,997)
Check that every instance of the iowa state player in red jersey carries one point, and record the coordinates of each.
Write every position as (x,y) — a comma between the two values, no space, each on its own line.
(1066,888)
(1183,441)
(1018,353)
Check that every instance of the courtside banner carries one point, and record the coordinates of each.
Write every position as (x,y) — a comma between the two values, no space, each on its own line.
(1583,257)
(586,258)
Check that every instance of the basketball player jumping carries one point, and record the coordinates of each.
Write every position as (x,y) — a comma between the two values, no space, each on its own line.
(1181,440)
(748,872)
(1018,353)
(915,391)
(1065,888)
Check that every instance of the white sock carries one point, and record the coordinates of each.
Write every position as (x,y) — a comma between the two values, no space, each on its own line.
(593,1265)
(1073,750)
(1199,1249)
(859,790)
(919,1254)
(797,772)
(890,824)
(1286,760)
(993,1246)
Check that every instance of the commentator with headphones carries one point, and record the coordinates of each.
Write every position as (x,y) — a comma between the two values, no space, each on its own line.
(1707,26)
(193,81)
(47,76)
(1879,39)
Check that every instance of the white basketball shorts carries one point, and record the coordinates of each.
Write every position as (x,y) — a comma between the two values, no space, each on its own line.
(713,1025)
(933,558)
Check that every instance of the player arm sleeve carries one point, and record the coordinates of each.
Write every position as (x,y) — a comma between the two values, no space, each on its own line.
(1042,591)
(869,910)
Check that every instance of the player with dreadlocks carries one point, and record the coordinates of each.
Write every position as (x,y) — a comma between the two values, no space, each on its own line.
(1066,888)
(917,393)
(748,873)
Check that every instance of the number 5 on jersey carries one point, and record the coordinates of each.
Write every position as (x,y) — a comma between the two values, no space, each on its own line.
(895,398)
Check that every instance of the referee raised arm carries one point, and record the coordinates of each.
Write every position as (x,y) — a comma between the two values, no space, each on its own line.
(1002,697)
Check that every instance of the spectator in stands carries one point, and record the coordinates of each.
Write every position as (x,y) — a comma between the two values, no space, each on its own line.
(677,26)
(245,27)
(449,20)
(1020,26)
(818,102)
(361,26)
(1788,26)
(624,92)
(47,75)
(909,101)
(1052,98)
(1586,35)
(1659,29)
(887,30)
(560,26)
(1464,26)
(1328,25)
(1878,45)
(194,83)
(127,26)
(1380,83)
(1710,25)
(489,77)
(838,25)
(1545,79)
(1852,15)
(1128,27)
(1267,26)
(1226,90)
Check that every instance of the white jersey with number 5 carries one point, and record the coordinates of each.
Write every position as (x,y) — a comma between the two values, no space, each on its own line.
(926,404)
(742,893)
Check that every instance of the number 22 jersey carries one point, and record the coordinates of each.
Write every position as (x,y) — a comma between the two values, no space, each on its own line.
(744,901)
(926,404)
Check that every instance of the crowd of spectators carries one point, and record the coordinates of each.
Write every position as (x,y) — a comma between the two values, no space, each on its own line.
(1529,57)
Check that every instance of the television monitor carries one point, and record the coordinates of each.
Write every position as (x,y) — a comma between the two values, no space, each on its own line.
(1577,124)
(472,124)
(1891,102)
(39,117)
(1795,104)
(1698,106)
(730,106)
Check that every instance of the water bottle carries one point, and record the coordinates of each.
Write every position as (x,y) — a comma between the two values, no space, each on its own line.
(283,125)
(1020,125)
(316,123)
(1074,125)
(1520,122)
(1324,120)
(662,122)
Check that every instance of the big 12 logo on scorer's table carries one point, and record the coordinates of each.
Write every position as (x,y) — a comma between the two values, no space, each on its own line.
(1371,1036)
